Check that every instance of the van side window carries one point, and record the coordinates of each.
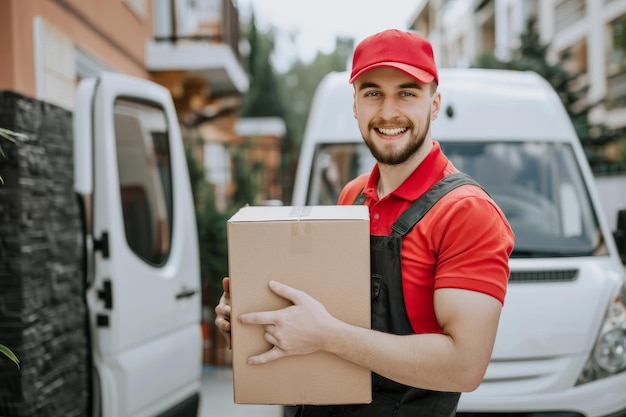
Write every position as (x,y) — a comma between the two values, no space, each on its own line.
(143,161)
(333,166)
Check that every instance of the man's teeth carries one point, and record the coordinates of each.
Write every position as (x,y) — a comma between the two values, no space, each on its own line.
(392,132)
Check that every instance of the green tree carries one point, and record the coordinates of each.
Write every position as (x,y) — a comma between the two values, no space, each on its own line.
(196,175)
(532,55)
(262,98)
(287,95)
(211,226)
(298,84)
(212,222)
(297,87)
(246,178)
(212,243)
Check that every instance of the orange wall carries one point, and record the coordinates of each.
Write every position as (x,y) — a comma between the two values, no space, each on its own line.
(106,29)
(7,44)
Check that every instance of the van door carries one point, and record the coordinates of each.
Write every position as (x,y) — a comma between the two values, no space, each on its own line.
(143,279)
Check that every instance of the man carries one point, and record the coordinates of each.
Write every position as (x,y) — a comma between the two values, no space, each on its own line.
(439,278)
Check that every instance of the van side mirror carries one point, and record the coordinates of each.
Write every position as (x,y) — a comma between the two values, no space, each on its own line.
(620,234)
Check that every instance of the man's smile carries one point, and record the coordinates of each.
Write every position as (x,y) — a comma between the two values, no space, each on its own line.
(391,131)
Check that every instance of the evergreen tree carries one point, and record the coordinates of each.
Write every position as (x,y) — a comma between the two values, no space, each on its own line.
(262,99)
(211,226)
(245,177)
(532,55)
(212,244)
(299,83)
(297,88)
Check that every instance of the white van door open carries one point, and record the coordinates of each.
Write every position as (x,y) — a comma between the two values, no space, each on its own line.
(143,279)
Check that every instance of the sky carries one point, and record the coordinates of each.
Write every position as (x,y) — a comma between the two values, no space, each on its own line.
(314,24)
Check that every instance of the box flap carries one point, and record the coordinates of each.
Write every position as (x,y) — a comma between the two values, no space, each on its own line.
(288,213)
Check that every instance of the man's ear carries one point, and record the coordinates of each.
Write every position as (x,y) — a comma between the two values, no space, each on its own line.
(354,105)
(435,105)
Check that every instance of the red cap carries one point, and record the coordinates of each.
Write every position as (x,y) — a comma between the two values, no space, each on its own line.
(406,51)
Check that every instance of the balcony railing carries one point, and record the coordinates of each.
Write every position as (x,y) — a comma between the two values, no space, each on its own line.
(184,21)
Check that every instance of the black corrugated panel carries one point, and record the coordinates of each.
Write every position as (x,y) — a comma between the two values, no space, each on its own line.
(42,308)
(555,275)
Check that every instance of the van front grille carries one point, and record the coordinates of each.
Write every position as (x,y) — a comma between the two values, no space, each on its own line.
(558,275)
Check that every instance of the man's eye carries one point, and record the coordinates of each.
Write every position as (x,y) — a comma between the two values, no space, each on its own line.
(372,94)
(407,94)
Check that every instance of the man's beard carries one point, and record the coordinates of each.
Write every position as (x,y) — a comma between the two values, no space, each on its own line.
(402,155)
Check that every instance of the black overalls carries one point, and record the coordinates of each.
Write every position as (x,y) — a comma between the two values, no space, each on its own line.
(391,399)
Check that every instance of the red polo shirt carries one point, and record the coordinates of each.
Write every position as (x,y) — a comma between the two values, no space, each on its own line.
(463,242)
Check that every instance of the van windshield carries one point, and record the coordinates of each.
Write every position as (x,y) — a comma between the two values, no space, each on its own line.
(538,186)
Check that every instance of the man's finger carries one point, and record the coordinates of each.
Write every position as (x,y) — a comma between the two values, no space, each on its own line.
(270,355)
(226,285)
(262,317)
(285,291)
(269,338)
(222,310)
(222,324)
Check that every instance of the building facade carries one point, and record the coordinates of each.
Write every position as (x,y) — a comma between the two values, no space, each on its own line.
(189,46)
(49,45)
(593,32)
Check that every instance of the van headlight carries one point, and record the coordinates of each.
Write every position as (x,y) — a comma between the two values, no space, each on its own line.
(609,353)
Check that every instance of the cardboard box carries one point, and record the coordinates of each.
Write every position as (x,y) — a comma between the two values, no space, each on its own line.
(322,250)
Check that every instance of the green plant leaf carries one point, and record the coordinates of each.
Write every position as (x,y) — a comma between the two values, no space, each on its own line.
(10,136)
(10,354)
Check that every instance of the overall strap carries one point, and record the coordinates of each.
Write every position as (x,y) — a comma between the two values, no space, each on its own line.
(359,200)
(422,205)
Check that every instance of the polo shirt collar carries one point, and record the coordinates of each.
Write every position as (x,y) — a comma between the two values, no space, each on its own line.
(431,170)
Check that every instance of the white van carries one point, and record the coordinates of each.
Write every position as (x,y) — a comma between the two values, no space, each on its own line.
(561,344)
(143,269)
(106,320)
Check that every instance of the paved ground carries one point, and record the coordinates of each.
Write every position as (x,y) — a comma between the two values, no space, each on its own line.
(217,397)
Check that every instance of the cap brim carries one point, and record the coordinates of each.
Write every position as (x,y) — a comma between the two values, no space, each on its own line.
(417,73)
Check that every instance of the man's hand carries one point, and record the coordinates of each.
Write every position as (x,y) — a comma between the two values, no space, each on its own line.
(295,330)
(222,312)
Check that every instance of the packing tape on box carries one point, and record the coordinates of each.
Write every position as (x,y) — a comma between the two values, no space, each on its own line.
(300,231)
(300,228)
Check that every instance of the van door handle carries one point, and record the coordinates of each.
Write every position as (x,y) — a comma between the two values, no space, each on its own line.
(106,294)
(185,293)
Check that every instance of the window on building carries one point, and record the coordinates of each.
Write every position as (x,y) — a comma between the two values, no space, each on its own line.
(575,62)
(568,13)
(488,37)
(616,41)
(575,58)
(616,63)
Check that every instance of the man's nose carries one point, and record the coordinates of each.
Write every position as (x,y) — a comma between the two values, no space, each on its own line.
(389,108)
